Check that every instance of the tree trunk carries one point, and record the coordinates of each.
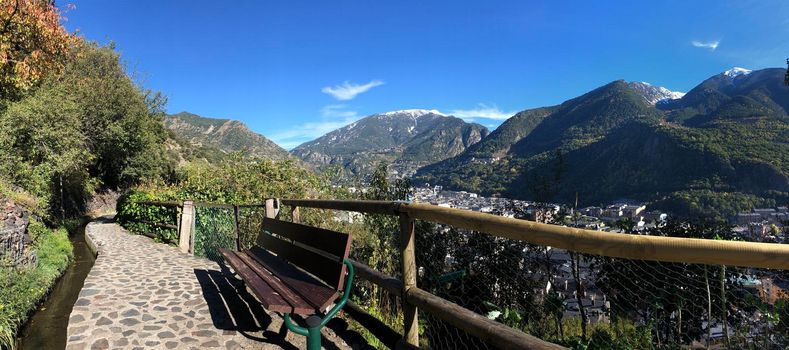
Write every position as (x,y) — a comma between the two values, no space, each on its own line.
(657,330)
(724,307)
(579,293)
(709,308)
(679,324)
(62,199)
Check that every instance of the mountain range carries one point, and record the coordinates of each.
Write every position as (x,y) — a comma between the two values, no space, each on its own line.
(406,139)
(224,135)
(719,148)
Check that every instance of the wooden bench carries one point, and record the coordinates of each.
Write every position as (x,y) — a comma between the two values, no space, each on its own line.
(297,269)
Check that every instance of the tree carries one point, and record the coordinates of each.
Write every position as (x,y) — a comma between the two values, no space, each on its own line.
(47,151)
(378,247)
(675,299)
(122,121)
(786,79)
(87,127)
(33,44)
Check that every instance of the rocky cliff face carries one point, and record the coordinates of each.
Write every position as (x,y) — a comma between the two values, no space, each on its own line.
(14,239)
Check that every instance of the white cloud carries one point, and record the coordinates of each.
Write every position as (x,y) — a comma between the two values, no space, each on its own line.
(482,111)
(334,117)
(337,111)
(347,91)
(712,45)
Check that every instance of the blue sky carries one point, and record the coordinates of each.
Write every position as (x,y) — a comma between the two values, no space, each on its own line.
(293,70)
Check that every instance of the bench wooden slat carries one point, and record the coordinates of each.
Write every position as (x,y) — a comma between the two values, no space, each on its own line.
(313,291)
(300,306)
(267,296)
(332,242)
(326,269)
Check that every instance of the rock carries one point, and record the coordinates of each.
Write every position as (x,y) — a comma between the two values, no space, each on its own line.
(165,335)
(103,321)
(130,313)
(129,322)
(101,344)
(210,344)
(14,238)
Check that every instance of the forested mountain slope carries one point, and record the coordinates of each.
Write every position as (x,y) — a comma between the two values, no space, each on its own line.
(726,140)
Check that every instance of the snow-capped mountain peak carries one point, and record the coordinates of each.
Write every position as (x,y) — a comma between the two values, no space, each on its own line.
(655,94)
(412,113)
(736,71)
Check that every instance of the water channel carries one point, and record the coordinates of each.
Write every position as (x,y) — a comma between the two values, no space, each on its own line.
(47,328)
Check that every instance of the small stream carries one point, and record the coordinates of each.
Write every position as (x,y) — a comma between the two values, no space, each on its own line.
(47,328)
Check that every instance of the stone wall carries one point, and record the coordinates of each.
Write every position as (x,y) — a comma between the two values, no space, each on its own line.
(15,241)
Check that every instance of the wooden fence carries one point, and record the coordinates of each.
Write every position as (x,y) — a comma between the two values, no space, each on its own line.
(653,248)
(184,220)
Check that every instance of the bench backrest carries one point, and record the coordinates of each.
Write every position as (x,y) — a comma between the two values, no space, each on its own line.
(317,251)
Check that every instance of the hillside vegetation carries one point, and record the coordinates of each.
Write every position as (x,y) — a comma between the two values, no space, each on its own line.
(223,134)
(72,121)
(87,127)
(725,141)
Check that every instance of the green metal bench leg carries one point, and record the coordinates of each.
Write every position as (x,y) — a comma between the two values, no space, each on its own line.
(315,323)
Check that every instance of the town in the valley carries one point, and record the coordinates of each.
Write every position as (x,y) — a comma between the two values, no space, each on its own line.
(761,224)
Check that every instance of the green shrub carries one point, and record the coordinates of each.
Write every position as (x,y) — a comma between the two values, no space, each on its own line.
(233,180)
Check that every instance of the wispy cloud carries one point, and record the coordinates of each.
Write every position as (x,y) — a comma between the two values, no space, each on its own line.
(482,111)
(332,111)
(712,45)
(333,117)
(347,91)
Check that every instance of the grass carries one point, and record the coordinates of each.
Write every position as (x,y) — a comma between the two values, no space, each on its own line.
(22,289)
(393,321)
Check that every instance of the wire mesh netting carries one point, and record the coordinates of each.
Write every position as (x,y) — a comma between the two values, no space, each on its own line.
(576,300)
(595,302)
(250,221)
(227,226)
(153,220)
(215,228)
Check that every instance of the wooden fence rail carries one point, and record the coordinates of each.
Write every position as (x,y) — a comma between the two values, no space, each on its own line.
(185,219)
(172,225)
(637,247)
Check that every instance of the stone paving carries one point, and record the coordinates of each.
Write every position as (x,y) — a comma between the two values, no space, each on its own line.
(141,295)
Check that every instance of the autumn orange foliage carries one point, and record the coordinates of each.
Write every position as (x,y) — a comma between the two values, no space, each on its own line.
(33,43)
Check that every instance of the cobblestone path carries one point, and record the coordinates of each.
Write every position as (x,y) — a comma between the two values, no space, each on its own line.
(146,295)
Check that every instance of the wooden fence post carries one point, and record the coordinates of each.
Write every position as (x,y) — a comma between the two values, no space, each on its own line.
(238,231)
(272,208)
(410,324)
(294,214)
(186,227)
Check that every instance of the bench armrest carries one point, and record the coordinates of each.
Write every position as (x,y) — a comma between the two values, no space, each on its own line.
(346,293)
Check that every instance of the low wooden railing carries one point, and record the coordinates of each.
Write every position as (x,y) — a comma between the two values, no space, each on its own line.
(173,224)
(638,247)
(654,248)
(668,249)
(184,221)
